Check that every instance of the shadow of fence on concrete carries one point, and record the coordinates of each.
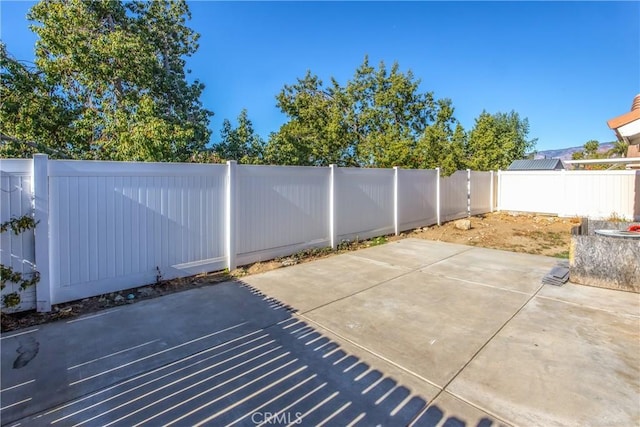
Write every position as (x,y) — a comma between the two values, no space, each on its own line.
(286,373)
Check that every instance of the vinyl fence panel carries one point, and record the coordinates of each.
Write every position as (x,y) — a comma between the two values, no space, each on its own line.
(480,188)
(594,194)
(364,202)
(454,196)
(601,194)
(417,198)
(115,225)
(280,210)
(531,191)
(17,251)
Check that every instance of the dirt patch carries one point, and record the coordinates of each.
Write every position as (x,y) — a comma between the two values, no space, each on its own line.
(540,235)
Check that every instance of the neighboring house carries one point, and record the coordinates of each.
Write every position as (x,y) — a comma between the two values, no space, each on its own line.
(536,165)
(627,128)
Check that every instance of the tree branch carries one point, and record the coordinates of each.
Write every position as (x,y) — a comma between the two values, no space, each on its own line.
(39,147)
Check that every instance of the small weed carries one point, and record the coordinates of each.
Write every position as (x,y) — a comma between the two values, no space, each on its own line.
(312,253)
(563,254)
(345,245)
(381,240)
(615,217)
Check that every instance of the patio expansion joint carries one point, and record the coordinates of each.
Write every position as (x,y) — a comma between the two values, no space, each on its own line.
(486,285)
(412,269)
(379,356)
(448,383)
(430,264)
(615,313)
(409,271)
(466,402)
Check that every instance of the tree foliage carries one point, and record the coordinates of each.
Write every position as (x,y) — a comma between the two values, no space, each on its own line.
(591,152)
(240,143)
(16,225)
(496,140)
(31,111)
(442,144)
(380,118)
(317,133)
(113,76)
(374,120)
(619,149)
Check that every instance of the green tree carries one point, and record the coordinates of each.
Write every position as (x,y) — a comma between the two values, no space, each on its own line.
(33,117)
(591,152)
(591,149)
(577,155)
(387,114)
(240,143)
(619,149)
(118,70)
(317,133)
(498,139)
(441,145)
(374,120)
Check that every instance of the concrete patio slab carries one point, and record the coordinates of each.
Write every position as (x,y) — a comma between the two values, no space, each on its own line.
(391,370)
(618,302)
(411,253)
(310,285)
(559,364)
(61,361)
(274,364)
(507,270)
(375,341)
(447,410)
(430,325)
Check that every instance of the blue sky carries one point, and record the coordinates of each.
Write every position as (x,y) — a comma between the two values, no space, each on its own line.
(568,67)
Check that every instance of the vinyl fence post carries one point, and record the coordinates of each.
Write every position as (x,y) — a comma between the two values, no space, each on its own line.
(491,190)
(333,232)
(396,219)
(563,209)
(468,193)
(499,192)
(231,215)
(40,188)
(438,195)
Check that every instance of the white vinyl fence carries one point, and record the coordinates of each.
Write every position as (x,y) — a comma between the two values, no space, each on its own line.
(108,226)
(116,224)
(594,194)
(17,251)
(364,202)
(280,210)
(416,203)
(481,192)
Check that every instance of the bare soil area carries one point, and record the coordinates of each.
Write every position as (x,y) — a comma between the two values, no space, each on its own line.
(542,235)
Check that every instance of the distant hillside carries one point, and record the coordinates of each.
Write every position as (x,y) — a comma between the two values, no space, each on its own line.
(565,153)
